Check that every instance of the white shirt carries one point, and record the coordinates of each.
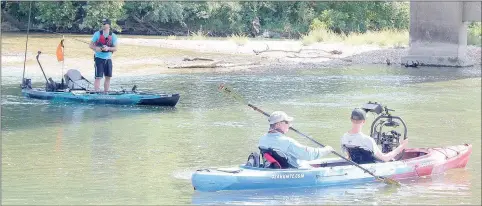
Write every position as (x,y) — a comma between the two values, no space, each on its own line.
(359,140)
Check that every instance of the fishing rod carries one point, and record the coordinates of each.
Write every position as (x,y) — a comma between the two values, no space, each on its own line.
(49,31)
(46,30)
(26,44)
(63,60)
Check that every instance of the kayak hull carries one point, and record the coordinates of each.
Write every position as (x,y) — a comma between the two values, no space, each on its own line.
(101,98)
(416,162)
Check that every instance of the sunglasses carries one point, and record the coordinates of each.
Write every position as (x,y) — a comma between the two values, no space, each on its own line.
(286,122)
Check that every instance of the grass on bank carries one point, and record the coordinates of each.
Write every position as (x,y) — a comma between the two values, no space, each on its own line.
(388,37)
(199,35)
(240,39)
(320,35)
(474,34)
(381,38)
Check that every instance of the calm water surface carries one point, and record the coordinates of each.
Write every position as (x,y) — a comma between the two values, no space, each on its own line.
(65,153)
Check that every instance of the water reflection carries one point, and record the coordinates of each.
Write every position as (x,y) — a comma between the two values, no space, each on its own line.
(19,111)
(412,191)
(103,156)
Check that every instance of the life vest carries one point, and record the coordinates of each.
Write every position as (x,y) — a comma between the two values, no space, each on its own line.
(360,155)
(104,40)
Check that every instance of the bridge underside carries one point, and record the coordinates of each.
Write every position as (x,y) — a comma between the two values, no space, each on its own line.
(438,32)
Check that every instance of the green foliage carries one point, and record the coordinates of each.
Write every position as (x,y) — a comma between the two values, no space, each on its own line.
(217,18)
(155,11)
(56,15)
(350,17)
(20,10)
(474,34)
(223,17)
(95,11)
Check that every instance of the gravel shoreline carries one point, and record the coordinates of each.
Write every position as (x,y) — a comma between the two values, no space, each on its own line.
(256,55)
(294,54)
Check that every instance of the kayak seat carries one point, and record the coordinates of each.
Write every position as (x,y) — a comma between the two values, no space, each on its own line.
(275,164)
(360,155)
(274,159)
(75,81)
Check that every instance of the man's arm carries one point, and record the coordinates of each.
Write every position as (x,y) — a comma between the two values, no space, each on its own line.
(307,153)
(345,152)
(92,45)
(388,156)
(114,44)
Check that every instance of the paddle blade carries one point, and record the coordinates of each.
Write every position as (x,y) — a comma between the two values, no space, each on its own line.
(224,89)
(389,181)
(392,182)
(221,87)
(60,51)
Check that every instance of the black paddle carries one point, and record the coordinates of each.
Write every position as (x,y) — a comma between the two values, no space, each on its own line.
(230,92)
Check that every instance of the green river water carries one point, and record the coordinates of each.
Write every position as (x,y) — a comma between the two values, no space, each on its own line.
(68,153)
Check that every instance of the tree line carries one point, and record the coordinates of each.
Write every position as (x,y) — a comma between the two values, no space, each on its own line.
(287,19)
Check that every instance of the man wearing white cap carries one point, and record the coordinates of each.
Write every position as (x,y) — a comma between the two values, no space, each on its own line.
(279,124)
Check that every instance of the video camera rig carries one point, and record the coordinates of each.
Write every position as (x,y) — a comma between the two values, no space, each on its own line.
(388,140)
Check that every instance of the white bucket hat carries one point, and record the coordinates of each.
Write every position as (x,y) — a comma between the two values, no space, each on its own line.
(279,116)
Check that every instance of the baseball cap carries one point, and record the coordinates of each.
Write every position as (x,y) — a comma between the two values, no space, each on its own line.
(106,21)
(358,114)
(279,116)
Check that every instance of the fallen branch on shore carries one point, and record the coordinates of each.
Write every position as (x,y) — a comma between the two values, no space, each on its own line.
(336,52)
(197,59)
(217,64)
(240,64)
(191,66)
(273,50)
(319,56)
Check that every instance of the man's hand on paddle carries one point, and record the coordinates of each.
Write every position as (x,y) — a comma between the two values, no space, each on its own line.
(329,148)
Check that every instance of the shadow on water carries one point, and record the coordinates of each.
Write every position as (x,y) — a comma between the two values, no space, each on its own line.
(397,75)
(454,184)
(338,195)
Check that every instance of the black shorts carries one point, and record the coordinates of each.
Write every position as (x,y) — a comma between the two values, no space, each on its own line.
(103,67)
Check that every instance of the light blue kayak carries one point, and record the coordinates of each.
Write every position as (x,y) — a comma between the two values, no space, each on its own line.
(416,162)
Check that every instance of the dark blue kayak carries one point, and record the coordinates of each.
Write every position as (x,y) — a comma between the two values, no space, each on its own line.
(124,98)
(75,88)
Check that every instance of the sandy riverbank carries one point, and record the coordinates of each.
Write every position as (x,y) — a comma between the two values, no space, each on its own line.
(226,55)
(291,53)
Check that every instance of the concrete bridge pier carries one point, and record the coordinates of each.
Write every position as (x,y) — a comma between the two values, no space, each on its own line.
(438,32)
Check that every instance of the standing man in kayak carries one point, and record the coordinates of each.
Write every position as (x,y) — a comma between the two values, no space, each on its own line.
(104,43)
(362,148)
(279,124)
